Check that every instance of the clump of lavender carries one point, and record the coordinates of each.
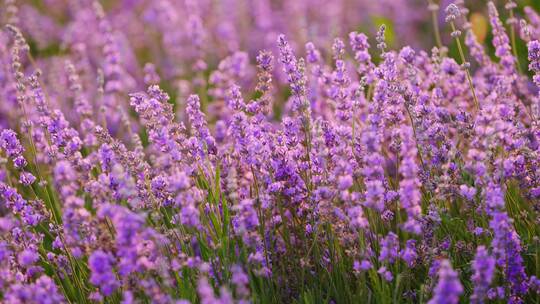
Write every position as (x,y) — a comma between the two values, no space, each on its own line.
(188,152)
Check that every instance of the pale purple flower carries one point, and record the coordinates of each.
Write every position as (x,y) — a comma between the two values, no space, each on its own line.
(100,264)
(501,42)
(449,288)
(386,274)
(389,248)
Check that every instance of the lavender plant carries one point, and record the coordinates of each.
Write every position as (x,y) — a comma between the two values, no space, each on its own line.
(264,152)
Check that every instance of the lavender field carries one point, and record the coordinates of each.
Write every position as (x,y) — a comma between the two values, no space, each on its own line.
(269,151)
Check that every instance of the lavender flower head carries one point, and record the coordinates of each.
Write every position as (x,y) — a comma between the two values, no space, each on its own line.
(449,288)
(484,268)
(295,73)
(100,264)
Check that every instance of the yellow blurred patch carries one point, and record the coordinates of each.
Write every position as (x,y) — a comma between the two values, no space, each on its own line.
(479,26)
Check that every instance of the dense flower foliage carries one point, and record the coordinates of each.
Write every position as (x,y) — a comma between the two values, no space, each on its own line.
(181,151)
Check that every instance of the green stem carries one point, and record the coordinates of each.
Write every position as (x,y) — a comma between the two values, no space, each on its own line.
(513,39)
(463,61)
(435,21)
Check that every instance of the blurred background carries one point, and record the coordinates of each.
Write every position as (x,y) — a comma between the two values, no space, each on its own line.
(186,40)
(190,44)
(155,29)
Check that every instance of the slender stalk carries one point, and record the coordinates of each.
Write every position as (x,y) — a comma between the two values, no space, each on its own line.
(464,64)
(512,22)
(434,8)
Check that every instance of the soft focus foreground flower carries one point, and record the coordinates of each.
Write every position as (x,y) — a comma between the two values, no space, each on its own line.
(448,287)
